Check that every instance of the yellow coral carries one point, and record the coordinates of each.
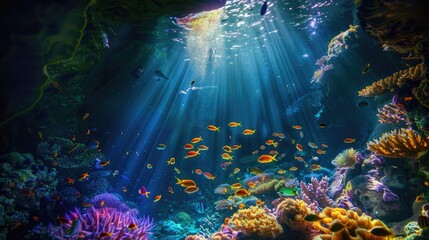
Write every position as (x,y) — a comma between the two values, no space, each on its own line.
(394,81)
(345,159)
(402,143)
(292,213)
(264,188)
(255,221)
(355,226)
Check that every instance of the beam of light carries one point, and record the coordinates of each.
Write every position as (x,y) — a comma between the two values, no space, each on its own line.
(253,78)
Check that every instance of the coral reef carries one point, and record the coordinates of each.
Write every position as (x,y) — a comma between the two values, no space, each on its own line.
(395,81)
(290,213)
(64,153)
(402,143)
(353,226)
(109,200)
(392,114)
(94,222)
(266,187)
(345,159)
(254,221)
(314,194)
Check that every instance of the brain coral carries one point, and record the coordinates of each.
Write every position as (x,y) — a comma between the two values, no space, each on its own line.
(254,221)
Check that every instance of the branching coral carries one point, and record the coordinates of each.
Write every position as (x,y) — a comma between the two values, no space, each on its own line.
(392,114)
(314,194)
(402,143)
(393,82)
(353,226)
(345,159)
(94,222)
(254,221)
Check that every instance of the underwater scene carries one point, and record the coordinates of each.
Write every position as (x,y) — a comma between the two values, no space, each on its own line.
(214,119)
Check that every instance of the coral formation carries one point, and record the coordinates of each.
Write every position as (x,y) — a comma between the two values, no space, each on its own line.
(345,159)
(222,189)
(94,222)
(314,194)
(265,188)
(110,200)
(290,213)
(393,82)
(254,221)
(402,143)
(353,225)
(392,114)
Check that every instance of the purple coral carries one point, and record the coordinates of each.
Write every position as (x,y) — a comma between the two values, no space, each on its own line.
(94,222)
(375,185)
(110,200)
(315,194)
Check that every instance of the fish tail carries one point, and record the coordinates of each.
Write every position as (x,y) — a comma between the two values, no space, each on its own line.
(178,181)
(147,194)
(274,158)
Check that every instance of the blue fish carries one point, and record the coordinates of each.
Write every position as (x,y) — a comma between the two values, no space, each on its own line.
(264,8)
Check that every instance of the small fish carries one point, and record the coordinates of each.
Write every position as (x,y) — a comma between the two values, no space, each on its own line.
(281,135)
(177,170)
(149,166)
(301,134)
(241,192)
(288,192)
(157,198)
(227,148)
(267,158)
(198,171)
(235,147)
(251,184)
(185,182)
(104,235)
(281,171)
(273,152)
(208,176)
(69,181)
(104,163)
(73,148)
(35,218)
(420,198)
(213,128)
(297,127)
(249,132)
(299,158)
(315,167)
(170,190)
(197,139)
(192,82)
(203,148)
(236,185)
(191,189)
(349,140)
(323,125)
(336,226)
(262,147)
(312,218)
(234,124)
(191,154)
(101,203)
(241,206)
(299,147)
(366,68)
(142,191)
(380,231)
(132,226)
(362,104)
(312,145)
(56,197)
(236,170)
(85,116)
(259,202)
(255,152)
(254,171)
(85,204)
(264,8)
(124,189)
(324,145)
(83,176)
(40,135)
(320,151)
(171,161)
(161,146)
(226,156)
(271,142)
(62,220)
(188,146)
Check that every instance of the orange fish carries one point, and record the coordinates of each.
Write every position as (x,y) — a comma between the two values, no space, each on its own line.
(299,158)
(299,147)
(170,190)
(283,155)
(83,176)
(408,99)
(56,197)
(198,171)
(209,175)
(191,154)
(124,189)
(271,142)
(101,203)
(227,148)
(241,205)
(69,180)
(267,158)
(105,235)
(320,152)
(213,128)
(185,182)
(171,161)
(234,124)
(236,170)
(235,147)
(85,204)
(62,220)
(249,131)
(293,168)
(420,198)
(324,145)
(196,140)
(143,191)
(251,184)
(241,192)
(297,127)
(426,183)
(281,171)
(104,163)
(132,226)
(259,202)
(191,189)
(226,156)
(349,140)
(203,148)
(157,198)
(315,167)
(85,116)
(188,146)
(236,185)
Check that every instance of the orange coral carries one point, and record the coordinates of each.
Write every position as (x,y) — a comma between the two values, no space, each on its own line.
(292,212)
(394,81)
(255,221)
(402,143)
(391,113)
(353,226)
